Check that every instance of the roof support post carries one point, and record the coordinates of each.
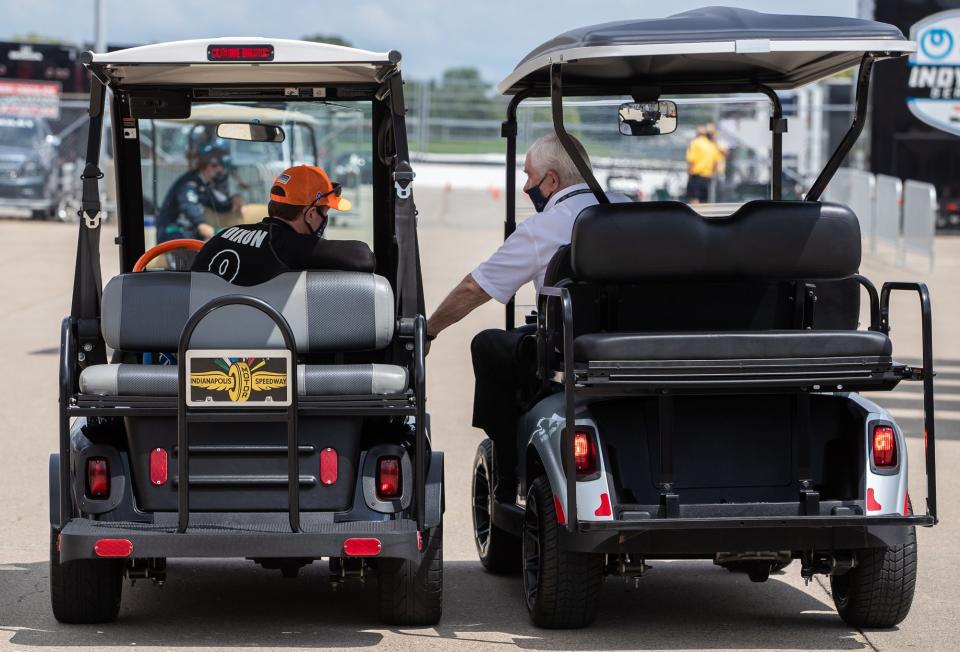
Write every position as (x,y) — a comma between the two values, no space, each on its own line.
(859,118)
(508,130)
(778,126)
(87,282)
(556,104)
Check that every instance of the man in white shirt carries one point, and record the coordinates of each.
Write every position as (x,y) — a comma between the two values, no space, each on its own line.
(558,193)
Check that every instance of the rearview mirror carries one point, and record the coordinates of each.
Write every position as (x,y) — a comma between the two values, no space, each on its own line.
(648,118)
(250,131)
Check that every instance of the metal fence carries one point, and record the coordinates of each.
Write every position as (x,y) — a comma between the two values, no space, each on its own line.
(897,218)
(919,219)
(887,202)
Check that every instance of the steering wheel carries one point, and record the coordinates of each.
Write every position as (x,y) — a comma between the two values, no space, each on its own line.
(164,247)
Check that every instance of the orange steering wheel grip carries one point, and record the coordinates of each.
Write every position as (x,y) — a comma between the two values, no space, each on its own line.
(164,247)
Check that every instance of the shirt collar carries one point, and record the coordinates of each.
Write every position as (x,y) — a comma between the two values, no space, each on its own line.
(558,195)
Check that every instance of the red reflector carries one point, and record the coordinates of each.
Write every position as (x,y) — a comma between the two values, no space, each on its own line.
(361,547)
(585,452)
(604,509)
(98,477)
(872,504)
(884,446)
(328,466)
(561,517)
(388,477)
(158,466)
(113,548)
(240,53)
(906,504)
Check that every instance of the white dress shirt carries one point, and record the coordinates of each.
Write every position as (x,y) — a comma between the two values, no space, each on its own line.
(524,256)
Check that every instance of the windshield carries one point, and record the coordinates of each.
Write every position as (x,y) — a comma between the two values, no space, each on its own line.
(722,143)
(337,137)
(19,132)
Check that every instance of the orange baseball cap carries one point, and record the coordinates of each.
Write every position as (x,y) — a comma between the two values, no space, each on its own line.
(303,185)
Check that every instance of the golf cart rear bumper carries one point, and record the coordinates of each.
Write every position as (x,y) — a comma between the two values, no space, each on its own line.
(705,536)
(241,536)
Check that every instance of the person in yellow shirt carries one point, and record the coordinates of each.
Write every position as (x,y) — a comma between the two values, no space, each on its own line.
(705,159)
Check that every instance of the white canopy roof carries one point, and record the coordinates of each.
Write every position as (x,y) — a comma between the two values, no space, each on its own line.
(718,46)
(295,62)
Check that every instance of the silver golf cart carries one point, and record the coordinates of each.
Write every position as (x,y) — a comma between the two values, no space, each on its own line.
(699,371)
(283,422)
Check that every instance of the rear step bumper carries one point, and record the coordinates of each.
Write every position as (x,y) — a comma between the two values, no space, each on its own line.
(704,536)
(239,535)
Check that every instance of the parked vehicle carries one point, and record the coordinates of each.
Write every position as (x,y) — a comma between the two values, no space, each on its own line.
(292,425)
(28,168)
(699,370)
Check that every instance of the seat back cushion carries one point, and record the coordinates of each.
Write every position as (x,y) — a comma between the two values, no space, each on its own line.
(763,240)
(327,311)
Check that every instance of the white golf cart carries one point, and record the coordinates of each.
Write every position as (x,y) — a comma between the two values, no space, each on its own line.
(699,370)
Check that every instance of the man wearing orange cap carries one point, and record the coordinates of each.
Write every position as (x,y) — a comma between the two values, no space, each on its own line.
(290,238)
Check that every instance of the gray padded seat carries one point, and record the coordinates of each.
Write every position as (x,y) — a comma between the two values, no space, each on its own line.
(764,345)
(312,380)
(327,311)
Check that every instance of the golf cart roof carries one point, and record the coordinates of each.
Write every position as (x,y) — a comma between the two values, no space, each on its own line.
(711,48)
(241,60)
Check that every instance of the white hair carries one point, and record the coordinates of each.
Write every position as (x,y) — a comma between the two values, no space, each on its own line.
(547,153)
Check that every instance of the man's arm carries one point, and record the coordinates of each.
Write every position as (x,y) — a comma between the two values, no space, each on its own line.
(188,200)
(464,298)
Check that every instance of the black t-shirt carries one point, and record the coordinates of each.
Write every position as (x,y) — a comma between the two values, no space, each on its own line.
(250,254)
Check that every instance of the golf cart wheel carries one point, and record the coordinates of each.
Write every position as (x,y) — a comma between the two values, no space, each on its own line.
(560,587)
(84,591)
(498,549)
(878,591)
(411,591)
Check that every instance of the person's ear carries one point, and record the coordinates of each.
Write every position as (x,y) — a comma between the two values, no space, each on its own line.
(551,182)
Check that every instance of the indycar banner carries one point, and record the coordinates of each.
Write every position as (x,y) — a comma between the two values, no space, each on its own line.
(238,378)
(933,94)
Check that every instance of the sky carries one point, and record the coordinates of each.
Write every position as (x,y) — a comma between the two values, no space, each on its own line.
(432,35)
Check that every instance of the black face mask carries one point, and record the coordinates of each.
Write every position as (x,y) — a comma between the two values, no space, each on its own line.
(323,225)
(536,196)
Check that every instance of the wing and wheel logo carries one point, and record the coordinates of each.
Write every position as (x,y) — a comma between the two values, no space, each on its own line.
(238,380)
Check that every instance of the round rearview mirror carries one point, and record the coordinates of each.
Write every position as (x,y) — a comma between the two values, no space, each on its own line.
(648,118)
(250,131)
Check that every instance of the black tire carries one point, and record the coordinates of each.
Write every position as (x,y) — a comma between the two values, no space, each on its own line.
(411,591)
(878,591)
(84,591)
(498,549)
(560,587)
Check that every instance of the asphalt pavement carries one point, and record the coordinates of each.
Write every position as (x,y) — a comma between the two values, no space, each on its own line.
(235,604)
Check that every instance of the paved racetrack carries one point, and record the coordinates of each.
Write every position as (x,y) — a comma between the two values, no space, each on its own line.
(227,604)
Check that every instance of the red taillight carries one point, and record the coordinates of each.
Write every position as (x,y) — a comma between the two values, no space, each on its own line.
(388,477)
(98,477)
(240,53)
(953,207)
(328,466)
(585,452)
(113,548)
(158,467)
(884,446)
(361,547)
